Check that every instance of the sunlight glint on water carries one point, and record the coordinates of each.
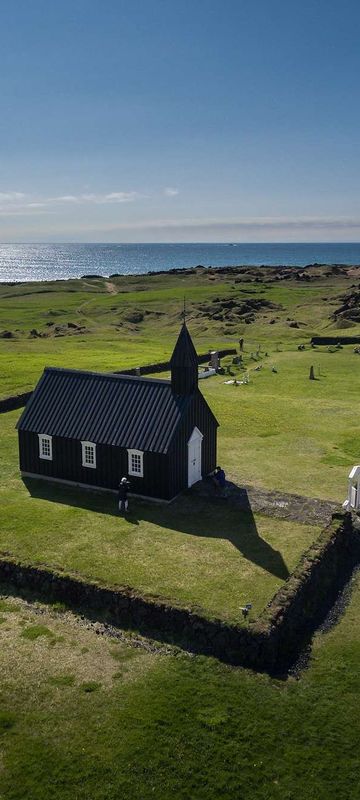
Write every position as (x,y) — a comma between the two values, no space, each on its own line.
(38,262)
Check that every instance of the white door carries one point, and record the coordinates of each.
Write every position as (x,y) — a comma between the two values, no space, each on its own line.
(194,456)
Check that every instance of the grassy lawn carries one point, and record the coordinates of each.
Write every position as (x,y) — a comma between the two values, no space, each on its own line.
(108,338)
(195,553)
(281,431)
(285,432)
(84,716)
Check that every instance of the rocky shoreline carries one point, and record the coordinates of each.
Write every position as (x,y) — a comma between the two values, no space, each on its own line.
(256,273)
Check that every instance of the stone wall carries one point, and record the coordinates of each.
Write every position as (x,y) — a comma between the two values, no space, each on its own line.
(164,366)
(15,401)
(303,602)
(271,643)
(334,340)
(125,608)
(19,400)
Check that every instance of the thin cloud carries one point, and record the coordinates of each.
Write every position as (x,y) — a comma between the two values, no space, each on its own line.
(120,197)
(170,192)
(66,198)
(11,197)
(261,223)
(15,203)
(97,199)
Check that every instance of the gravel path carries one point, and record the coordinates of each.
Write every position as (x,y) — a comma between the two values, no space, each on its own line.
(307,510)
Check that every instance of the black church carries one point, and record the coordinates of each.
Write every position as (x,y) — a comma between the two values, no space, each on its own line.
(92,428)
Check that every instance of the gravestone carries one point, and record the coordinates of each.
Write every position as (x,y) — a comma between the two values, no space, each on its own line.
(352,503)
(214,359)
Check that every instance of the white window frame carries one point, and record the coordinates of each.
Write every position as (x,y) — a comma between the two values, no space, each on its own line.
(85,462)
(45,438)
(138,473)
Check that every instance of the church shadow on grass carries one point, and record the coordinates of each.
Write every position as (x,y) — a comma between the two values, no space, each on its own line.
(191,513)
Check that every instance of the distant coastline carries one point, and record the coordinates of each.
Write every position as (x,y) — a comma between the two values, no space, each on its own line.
(44,262)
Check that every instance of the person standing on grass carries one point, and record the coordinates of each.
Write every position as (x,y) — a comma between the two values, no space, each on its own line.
(124,486)
(219,479)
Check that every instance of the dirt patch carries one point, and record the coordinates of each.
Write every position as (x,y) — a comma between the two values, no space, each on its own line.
(110,287)
(307,510)
(67,650)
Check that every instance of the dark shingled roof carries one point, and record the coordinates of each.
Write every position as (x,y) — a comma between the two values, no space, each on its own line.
(122,410)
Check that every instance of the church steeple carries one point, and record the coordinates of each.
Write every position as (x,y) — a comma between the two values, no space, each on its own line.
(184,364)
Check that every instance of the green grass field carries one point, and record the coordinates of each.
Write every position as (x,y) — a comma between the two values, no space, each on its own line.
(109,339)
(283,431)
(83,716)
(196,554)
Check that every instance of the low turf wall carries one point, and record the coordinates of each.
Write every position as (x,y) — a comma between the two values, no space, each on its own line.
(271,643)
(335,340)
(19,400)
(303,602)
(15,401)
(164,366)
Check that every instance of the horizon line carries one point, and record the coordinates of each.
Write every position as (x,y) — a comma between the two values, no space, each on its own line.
(182,244)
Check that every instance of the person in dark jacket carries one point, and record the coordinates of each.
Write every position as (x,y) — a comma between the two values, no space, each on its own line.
(219,480)
(124,486)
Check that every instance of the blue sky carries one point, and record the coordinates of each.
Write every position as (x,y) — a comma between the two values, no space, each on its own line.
(210,120)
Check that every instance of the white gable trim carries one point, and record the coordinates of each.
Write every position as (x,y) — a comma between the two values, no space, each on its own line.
(196,434)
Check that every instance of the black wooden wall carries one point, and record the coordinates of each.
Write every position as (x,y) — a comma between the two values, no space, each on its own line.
(164,475)
(199,415)
(111,465)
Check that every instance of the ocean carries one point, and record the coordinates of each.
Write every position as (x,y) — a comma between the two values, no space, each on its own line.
(39,262)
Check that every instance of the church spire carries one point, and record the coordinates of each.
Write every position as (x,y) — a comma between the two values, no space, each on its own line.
(184,364)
